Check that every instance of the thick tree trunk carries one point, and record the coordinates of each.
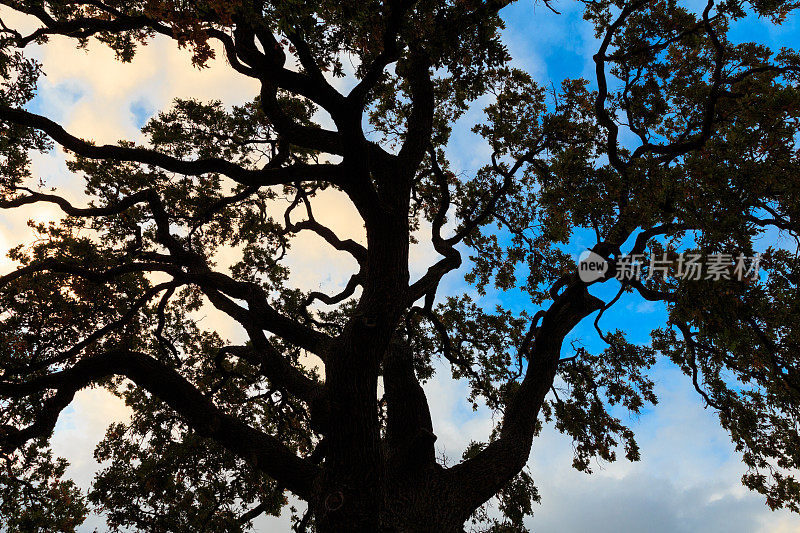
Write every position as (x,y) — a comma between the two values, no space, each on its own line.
(349,495)
(416,505)
(390,484)
(352,492)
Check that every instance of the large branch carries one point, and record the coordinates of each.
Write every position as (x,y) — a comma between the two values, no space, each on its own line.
(244,57)
(188,267)
(409,429)
(261,450)
(261,177)
(420,120)
(258,309)
(83,27)
(73,268)
(269,65)
(272,363)
(389,54)
(603,116)
(479,478)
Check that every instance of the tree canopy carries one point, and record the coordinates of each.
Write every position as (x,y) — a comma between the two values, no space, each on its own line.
(684,142)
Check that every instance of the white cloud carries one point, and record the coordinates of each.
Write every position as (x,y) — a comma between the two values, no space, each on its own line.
(688,479)
(82,425)
(646,307)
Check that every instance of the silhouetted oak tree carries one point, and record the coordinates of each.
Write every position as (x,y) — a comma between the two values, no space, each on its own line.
(684,138)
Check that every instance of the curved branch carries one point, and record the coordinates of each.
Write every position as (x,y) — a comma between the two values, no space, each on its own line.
(688,339)
(429,282)
(262,451)
(389,54)
(358,251)
(261,177)
(603,116)
(350,246)
(670,151)
(83,27)
(348,291)
(480,477)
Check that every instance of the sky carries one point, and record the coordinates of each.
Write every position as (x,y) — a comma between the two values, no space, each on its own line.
(688,478)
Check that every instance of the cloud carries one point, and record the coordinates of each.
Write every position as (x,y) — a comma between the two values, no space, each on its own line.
(111,95)
(688,478)
(646,307)
(78,431)
(642,503)
(83,425)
